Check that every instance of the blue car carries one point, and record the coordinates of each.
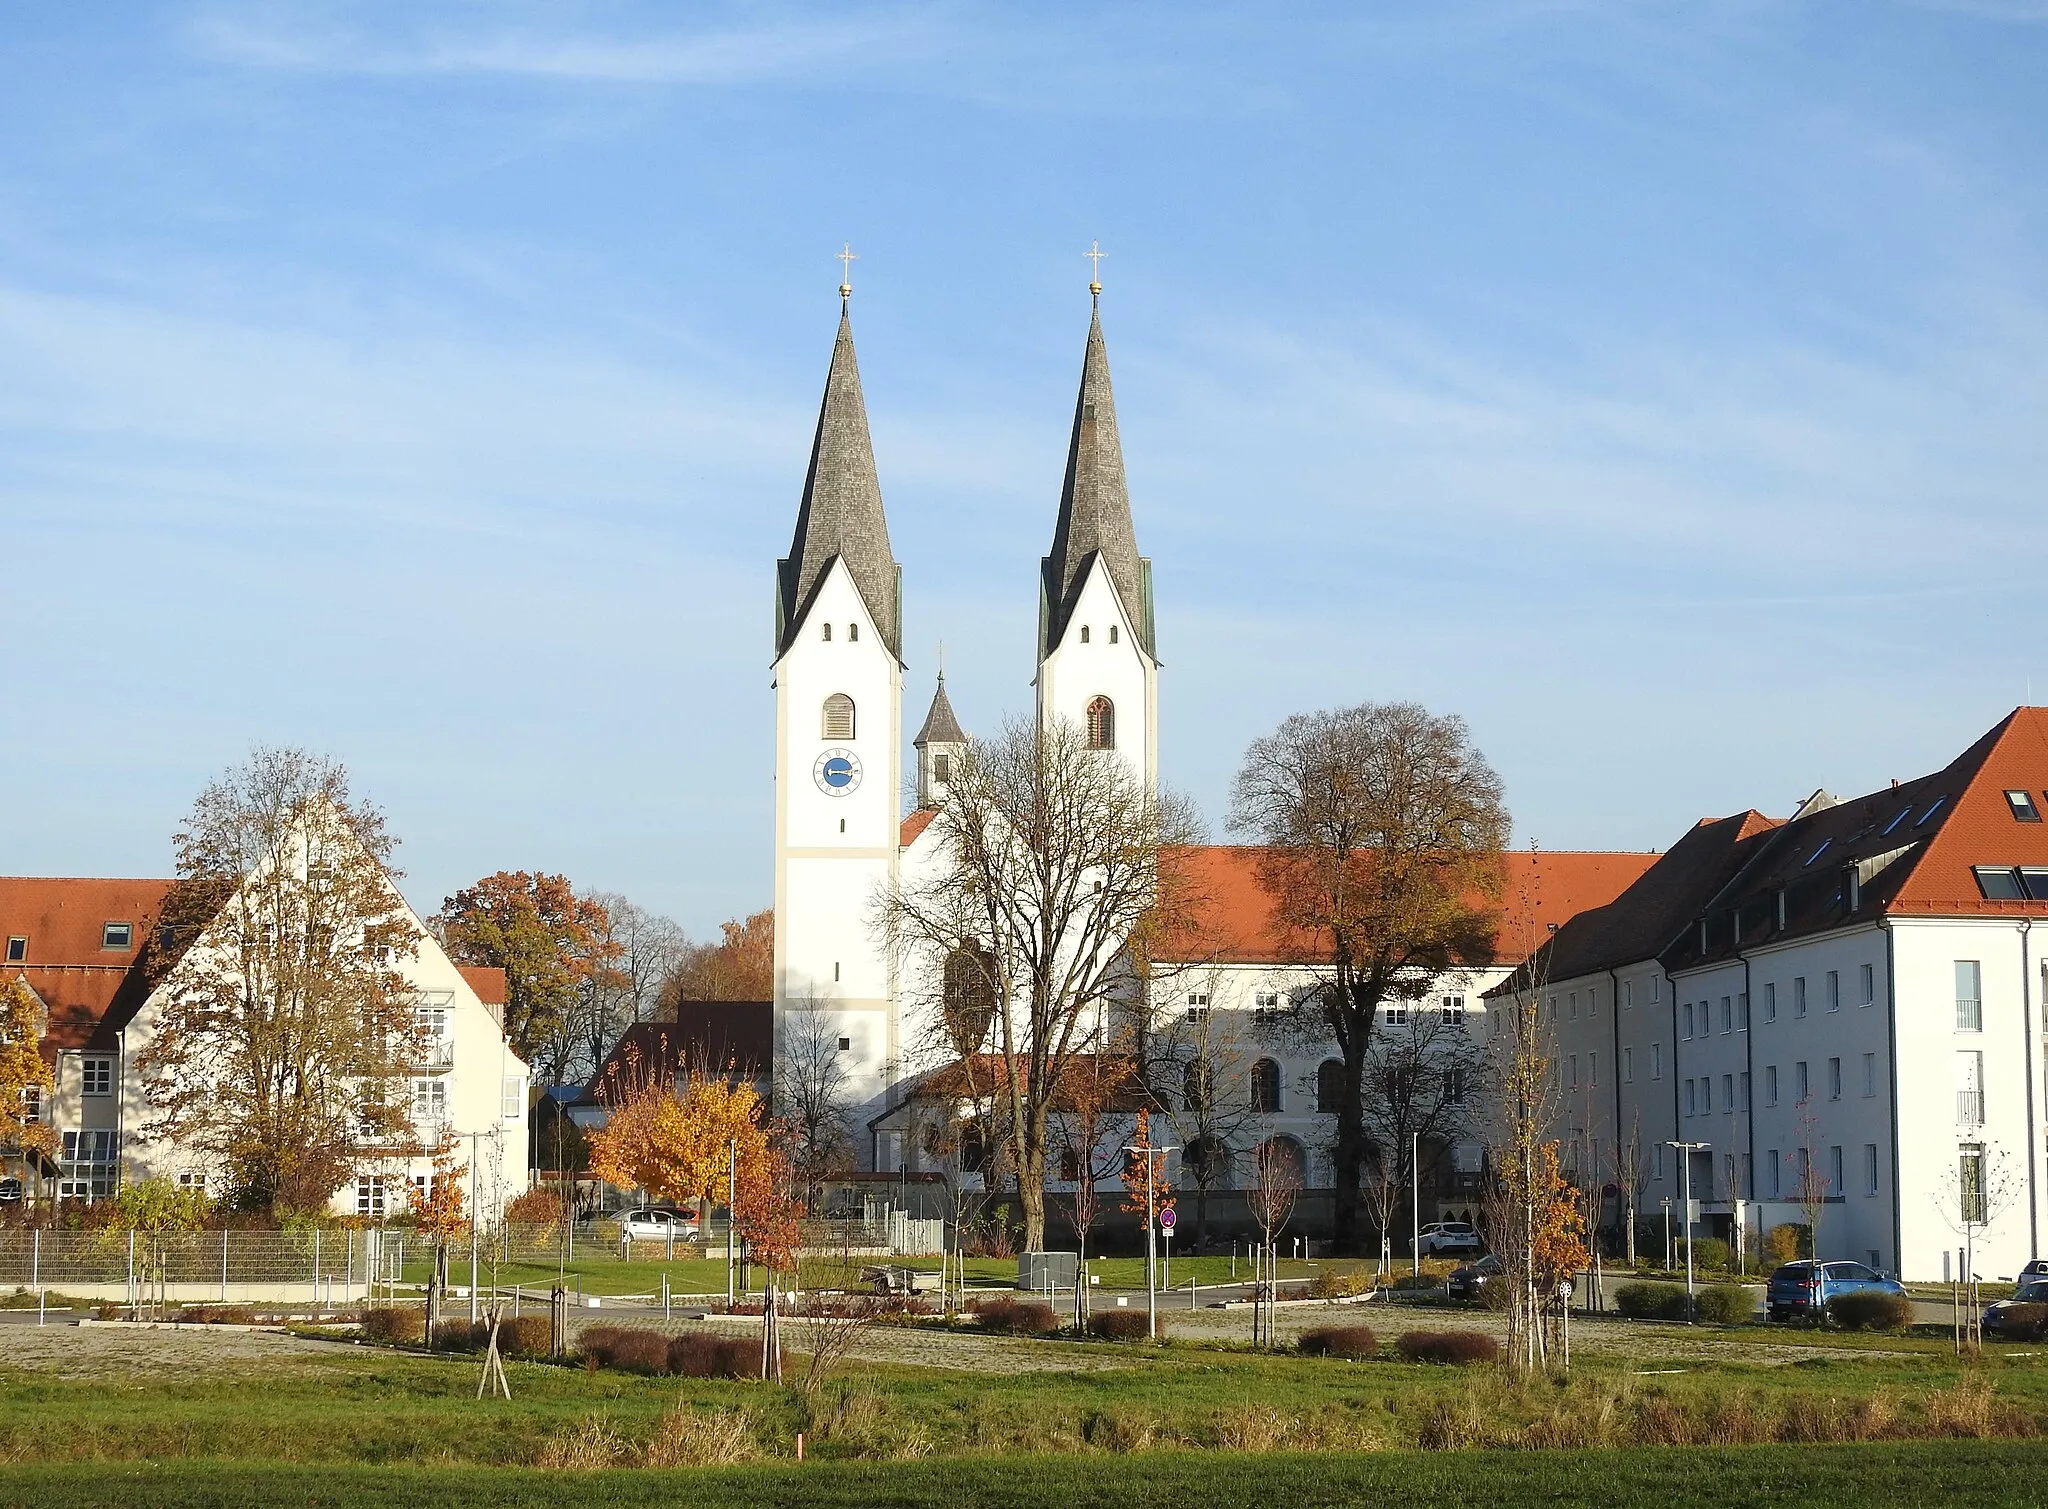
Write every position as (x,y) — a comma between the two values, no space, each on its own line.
(1802,1290)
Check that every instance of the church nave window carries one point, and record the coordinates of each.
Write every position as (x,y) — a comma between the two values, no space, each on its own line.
(1102,724)
(839,716)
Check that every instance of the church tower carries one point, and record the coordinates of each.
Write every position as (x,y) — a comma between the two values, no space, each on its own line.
(1096,651)
(838,733)
(939,745)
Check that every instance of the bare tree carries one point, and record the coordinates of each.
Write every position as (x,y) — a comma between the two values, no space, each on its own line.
(642,950)
(1277,1178)
(1422,1073)
(1047,887)
(1200,1071)
(1099,1087)
(1382,828)
(813,1098)
(1810,1184)
(1631,1178)
(284,1023)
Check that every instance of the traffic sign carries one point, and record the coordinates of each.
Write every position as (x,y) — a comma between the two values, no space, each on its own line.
(1166,1219)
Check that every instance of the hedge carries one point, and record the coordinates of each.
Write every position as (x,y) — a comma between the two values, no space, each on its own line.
(1871,1310)
(624,1350)
(1725,1305)
(394,1323)
(1122,1325)
(1652,1302)
(1016,1317)
(1354,1343)
(1456,1348)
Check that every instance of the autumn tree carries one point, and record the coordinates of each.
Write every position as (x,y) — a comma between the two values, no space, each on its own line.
(25,1081)
(547,939)
(643,951)
(1046,885)
(441,1216)
(1381,829)
(739,967)
(283,1023)
(682,1148)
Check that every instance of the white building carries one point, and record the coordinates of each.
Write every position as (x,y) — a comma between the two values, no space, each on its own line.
(84,946)
(840,839)
(1850,998)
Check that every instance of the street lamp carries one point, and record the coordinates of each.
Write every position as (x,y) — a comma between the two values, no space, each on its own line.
(1686,1150)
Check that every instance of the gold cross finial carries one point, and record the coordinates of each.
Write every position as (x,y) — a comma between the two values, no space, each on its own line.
(847,257)
(1095,254)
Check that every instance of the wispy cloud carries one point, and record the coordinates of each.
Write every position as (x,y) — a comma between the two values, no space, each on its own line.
(545,44)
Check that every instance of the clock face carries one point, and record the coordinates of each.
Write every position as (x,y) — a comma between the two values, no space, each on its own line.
(837,772)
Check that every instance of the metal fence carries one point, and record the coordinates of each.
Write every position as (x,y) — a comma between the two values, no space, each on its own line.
(343,1262)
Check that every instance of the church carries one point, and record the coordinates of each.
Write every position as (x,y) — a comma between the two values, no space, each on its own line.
(842,838)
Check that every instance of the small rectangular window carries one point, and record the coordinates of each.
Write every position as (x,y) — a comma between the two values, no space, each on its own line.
(1692,1097)
(1727,1092)
(1834,1079)
(1869,985)
(1727,1014)
(2023,808)
(1870,1174)
(846,1045)
(17,950)
(1628,995)
(1628,1066)
(1656,1060)
(117,934)
(1659,1150)
(1742,1012)
(1770,1084)
(1799,995)
(1777,1167)
(1834,990)
(1685,1020)
(97,1076)
(1835,1184)
(1799,1081)
(1869,1074)
(2035,884)
(512,1105)
(1969,996)
(1998,882)
(1770,1002)
(1743,1104)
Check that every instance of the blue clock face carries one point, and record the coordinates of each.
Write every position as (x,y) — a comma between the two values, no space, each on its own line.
(837,772)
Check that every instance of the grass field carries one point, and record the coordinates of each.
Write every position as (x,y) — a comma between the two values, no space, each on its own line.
(1981,1474)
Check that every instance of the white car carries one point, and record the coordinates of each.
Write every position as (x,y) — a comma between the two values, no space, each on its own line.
(653,1224)
(1445,1237)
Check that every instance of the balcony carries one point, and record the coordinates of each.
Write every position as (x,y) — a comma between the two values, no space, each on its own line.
(1969,1108)
(437,1056)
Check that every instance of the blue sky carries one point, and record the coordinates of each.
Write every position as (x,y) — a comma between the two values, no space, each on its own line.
(1660,387)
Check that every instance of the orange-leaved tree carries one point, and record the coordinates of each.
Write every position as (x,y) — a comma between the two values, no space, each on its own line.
(441,1215)
(546,938)
(683,1149)
(739,967)
(25,1081)
(767,1212)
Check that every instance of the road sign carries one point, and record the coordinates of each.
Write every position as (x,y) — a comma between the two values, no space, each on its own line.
(1166,1219)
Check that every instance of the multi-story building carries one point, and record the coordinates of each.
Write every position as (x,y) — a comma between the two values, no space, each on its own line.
(84,949)
(1839,1014)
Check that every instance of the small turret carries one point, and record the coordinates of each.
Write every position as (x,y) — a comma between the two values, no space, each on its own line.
(940,745)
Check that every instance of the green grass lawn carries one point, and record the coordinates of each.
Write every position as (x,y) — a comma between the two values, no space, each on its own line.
(1976,1473)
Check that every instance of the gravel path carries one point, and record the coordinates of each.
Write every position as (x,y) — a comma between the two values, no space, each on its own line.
(119,1352)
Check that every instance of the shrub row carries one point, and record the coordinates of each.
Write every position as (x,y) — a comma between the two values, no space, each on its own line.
(692,1355)
(1717,1305)
(398,1323)
(217,1315)
(1122,1325)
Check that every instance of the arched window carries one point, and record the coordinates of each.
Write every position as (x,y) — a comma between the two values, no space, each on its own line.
(1070,1164)
(1102,724)
(968,1000)
(839,716)
(1265,1085)
(825,632)
(1209,1160)
(852,633)
(1084,633)
(1330,1086)
(1112,633)
(1280,1164)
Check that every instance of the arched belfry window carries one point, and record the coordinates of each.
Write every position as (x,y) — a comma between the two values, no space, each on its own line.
(839,716)
(1084,633)
(1112,633)
(1102,724)
(852,633)
(825,632)
(1265,1085)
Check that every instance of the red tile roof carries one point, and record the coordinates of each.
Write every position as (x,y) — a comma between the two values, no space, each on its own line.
(1979,827)
(1235,921)
(487,980)
(85,986)
(915,824)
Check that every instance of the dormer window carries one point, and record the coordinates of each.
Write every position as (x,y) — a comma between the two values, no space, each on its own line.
(17,950)
(2023,808)
(117,935)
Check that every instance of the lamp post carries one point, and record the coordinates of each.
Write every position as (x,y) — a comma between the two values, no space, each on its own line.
(1415,1202)
(1685,1152)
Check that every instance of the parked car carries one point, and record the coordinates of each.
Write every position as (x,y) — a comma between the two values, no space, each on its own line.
(10,1192)
(2031,1291)
(1468,1279)
(1447,1237)
(655,1224)
(2037,1268)
(894,1278)
(1802,1290)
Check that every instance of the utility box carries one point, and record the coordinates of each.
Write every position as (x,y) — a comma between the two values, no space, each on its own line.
(1036,1270)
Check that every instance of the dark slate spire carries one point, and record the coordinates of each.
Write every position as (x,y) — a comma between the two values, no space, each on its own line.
(940,726)
(841,517)
(1095,511)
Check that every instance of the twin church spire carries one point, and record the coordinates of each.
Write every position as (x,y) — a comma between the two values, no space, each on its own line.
(841,516)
